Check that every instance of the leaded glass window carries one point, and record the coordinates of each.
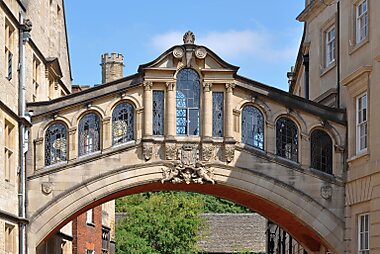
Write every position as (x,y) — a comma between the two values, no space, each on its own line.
(252,127)
(217,114)
(321,151)
(158,112)
(89,134)
(123,124)
(287,139)
(55,144)
(187,102)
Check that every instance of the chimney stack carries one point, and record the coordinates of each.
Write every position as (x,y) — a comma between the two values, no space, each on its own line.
(112,67)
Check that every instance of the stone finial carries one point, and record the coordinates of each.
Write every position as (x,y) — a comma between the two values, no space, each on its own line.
(189,38)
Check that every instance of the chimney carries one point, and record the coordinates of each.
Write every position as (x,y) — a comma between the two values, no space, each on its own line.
(112,67)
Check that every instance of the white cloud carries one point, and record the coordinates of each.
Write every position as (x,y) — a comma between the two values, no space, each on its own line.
(260,44)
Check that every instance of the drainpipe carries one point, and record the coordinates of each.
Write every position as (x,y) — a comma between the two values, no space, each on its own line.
(306,60)
(24,36)
(338,54)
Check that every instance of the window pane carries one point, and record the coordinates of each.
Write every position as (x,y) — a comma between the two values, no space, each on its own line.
(55,144)
(217,114)
(89,134)
(321,151)
(123,123)
(252,127)
(158,112)
(187,102)
(287,139)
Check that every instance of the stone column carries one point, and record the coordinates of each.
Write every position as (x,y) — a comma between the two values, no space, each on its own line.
(229,111)
(73,144)
(148,109)
(171,110)
(107,133)
(207,111)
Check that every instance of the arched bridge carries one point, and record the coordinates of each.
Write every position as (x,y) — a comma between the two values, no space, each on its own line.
(187,121)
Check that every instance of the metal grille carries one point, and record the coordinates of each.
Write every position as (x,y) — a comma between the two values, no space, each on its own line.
(187,102)
(321,151)
(89,134)
(287,139)
(252,127)
(123,123)
(55,144)
(158,112)
(217,114)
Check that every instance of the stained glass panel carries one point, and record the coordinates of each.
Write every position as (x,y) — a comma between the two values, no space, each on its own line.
(252,127)
(123,125)
(158,112)
(287,139)
(217,114)
(187,102)
(55,144)
(321,151)
(89,134)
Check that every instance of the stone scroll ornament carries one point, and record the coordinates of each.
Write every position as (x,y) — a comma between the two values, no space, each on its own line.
(188,168)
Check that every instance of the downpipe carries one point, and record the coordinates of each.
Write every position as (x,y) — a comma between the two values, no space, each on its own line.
(25,28)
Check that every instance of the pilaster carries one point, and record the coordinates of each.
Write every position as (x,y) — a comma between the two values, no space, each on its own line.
(148,109)
(207,111)
(171,109)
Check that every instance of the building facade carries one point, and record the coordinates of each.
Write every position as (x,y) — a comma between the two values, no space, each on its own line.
(339,65)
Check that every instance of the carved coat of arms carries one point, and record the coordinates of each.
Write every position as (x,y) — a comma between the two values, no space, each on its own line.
(188,168)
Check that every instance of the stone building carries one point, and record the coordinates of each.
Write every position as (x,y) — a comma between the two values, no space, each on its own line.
(35,66)
(338,65)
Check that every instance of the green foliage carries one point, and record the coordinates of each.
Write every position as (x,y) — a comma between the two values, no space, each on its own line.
(162,223)
(217,205)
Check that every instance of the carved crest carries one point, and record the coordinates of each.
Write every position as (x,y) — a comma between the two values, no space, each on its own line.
(326,191)
(189,38)
(170,151)
(207,152)
(46,188)
(188,168)
(147,151)
(229,152)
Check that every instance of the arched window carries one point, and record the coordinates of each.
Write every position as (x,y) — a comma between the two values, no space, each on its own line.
(123,126)
(252,127)
(321,151)
(187,102)
(89,134)
(287,139)
(55,144)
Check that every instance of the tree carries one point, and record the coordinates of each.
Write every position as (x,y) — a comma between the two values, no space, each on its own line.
(159,223)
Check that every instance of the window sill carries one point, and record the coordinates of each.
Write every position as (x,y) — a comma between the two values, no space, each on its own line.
(358,45)
(328,68)
(90,224)
(89,155)
(360,155)
(56,165)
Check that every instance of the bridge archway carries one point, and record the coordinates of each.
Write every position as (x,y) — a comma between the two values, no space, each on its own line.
(302,216)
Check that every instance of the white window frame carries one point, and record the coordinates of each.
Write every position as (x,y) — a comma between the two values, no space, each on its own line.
(363,231)
(90,252)
(361,21)
(90,216)
(330,45)
(361,122)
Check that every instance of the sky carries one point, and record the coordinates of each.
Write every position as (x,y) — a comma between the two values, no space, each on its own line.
(261,37)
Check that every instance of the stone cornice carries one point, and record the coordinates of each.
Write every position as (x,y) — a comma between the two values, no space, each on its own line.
(356,74)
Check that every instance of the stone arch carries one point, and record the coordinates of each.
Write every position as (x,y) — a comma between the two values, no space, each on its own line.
(297,118)
(43,127)
(330,129)
(192,68)
(313,225)
(95,109)
(127,98)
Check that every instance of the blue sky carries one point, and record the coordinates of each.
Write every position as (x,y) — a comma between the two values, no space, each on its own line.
(261,37)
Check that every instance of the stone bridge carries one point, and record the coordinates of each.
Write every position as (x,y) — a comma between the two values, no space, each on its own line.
(187,121)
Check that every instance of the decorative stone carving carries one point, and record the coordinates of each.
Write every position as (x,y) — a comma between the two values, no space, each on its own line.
(46,188)
(147,151)
(229,152)
(207,87)
(178,52)
(188,168)
(170,151)
(230,87)
(207,151)
(189,38)
(148,85)
(326,192)
(170,86)
(200,52)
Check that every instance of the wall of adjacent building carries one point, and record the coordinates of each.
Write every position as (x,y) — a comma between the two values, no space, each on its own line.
(359,74)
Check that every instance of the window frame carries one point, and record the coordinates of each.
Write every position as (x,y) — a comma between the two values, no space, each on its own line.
(129,105)
(293,146)
(256,112)
(362,250)
(90,216)
(359,19)
(99,135)
(154,120)
(329,167)
(358,124)
(9,30)
(9,150)
(329,44)
(66,143)
(9,238)
(214,110)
